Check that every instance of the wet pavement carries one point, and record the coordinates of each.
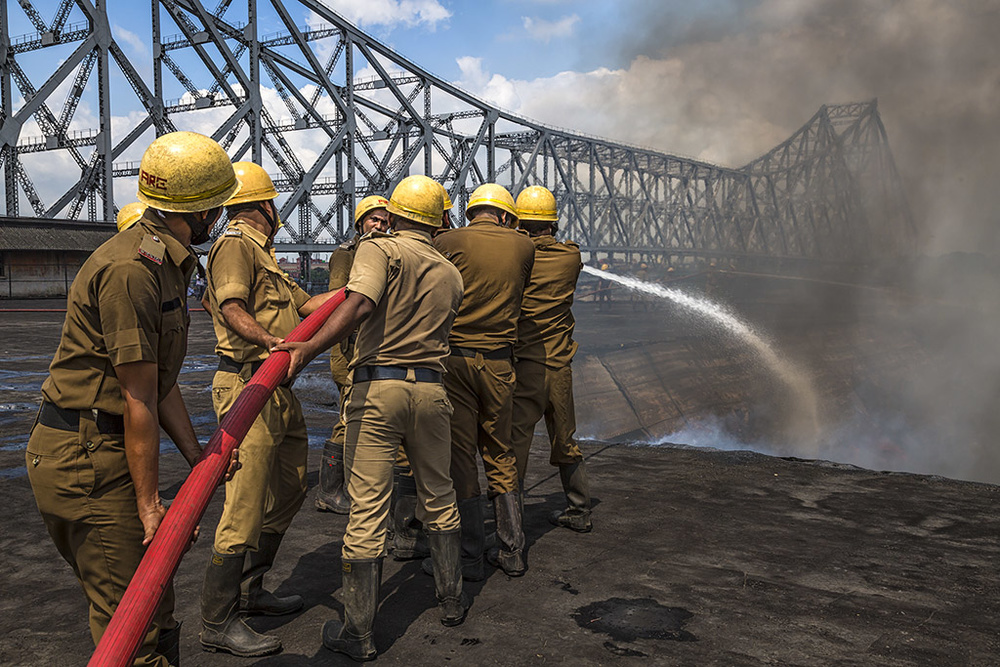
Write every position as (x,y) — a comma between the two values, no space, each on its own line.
(698,557)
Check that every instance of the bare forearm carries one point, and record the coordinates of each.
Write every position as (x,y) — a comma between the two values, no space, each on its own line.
(142,451)
(310,306)
(176,422)
(237,318)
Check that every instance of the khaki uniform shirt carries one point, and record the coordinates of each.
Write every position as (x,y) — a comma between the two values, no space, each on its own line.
(545,329)
(417,294)
(495,263)
(242,265)
(128,303)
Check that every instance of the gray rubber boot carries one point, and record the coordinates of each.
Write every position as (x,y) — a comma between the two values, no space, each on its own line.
(473,542)
(576,516)
(509,555)
(332,493)
(254,599)
(355,637)
(446,555)
(223,624)
(409,542)
(168,644)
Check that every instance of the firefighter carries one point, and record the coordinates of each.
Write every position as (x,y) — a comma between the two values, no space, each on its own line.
(404,295)
(369,215)
(129,214)
(544,353)
(495,262)
(407,539)
(93,453)
(254,304)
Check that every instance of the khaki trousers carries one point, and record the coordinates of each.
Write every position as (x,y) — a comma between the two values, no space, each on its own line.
(270,486)
(543,391)
(482,391)
(85,495)
(381,414)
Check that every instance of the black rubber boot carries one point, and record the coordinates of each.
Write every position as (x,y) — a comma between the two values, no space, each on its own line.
(254,599)
(168,644)
(409,542)
(223,625)
(332,493)
(355,637)
(446,555)
(576,516)
(473,542)
(509,555)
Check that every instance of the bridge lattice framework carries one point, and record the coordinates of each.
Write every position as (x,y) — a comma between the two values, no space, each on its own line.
(335,115)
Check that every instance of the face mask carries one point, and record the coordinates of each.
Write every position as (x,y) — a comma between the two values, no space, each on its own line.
(273,220)
(201,231)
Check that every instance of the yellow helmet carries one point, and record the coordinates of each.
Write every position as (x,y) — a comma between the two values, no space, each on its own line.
(366,206)
(537,203)
(186,172)
(129,214)
(491,194)
(446,199)
(255,184)
(418,198)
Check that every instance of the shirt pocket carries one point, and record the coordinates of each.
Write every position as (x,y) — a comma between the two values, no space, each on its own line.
(276,289)
(172,346)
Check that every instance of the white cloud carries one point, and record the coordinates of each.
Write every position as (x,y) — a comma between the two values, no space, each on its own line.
(391,13)
(545,31)
(133,40)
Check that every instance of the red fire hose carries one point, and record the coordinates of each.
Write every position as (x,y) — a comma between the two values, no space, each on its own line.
(131,619)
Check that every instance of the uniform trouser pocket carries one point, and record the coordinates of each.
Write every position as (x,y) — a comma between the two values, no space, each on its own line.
(89,508)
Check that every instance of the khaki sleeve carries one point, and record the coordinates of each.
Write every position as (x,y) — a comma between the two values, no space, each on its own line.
(340,268)
(299,295)
(130,309)
(370,271)
(230,270)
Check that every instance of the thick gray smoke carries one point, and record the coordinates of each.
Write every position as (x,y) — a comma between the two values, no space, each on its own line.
(762,67)
(728,87)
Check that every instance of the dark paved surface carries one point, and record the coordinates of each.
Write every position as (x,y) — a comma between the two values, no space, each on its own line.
(698,557)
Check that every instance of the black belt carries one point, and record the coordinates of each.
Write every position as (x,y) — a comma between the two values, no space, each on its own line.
(369,373)
(229,365)
(53,416)
(502,353)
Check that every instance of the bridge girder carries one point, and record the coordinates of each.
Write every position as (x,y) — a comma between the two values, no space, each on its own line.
(347,116)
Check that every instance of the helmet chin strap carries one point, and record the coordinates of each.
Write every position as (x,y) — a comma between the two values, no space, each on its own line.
(272,219)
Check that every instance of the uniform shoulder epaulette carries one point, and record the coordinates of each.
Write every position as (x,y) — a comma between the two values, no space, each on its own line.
(152,248)
(572,244)
(521,231)
(233,232)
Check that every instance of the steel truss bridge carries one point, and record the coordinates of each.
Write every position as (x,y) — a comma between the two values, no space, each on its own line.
(335,115)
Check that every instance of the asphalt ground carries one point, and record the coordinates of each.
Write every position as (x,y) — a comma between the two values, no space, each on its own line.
(698,557)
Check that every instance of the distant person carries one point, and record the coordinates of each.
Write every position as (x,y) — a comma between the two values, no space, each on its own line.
(254,305)
(543,356)
(402,297)
(495,262)
(604,289)
(369,215)
(93,453)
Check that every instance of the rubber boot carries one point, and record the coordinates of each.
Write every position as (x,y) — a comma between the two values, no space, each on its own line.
(491,538)
(509,555)
(355,637)
(254,599)
(168,644)
(576,516)
(473,542)
(408,539)
(223,624)
(332,495)
(446,555)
